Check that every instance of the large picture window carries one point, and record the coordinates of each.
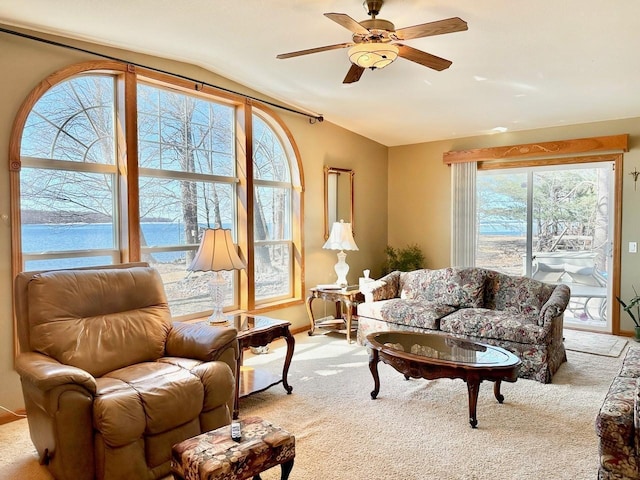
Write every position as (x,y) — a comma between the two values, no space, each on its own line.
(115,166)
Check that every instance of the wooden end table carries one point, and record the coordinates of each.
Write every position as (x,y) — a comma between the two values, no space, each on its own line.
(430,356)
(258,331)
(349,297)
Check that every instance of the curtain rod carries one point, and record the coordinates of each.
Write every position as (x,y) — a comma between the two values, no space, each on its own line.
(312,118)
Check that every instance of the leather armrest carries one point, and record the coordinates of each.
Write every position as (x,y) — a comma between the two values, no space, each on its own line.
(46,373)
(200,341)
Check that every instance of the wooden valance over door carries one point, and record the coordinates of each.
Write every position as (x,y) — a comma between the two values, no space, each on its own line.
(560,148)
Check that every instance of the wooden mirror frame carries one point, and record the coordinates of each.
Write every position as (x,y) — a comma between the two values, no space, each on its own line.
(335,205)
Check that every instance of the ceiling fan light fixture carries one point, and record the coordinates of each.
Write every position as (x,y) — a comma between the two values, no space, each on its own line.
(373,54)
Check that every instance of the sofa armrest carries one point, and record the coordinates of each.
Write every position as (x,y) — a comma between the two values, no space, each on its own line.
(615,428)
(385,288)
(368,288)
(200,341)
(555,305)
(46,373)
(636,416)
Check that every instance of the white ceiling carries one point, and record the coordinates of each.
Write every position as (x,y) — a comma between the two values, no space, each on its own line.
(521,65)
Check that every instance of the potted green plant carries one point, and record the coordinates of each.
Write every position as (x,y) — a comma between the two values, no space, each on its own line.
(630,308)
(404,259)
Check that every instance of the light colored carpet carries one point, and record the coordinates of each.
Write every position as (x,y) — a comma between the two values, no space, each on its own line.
(416,429)
(594,343)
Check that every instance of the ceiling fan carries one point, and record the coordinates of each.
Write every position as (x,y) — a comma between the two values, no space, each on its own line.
(372,45)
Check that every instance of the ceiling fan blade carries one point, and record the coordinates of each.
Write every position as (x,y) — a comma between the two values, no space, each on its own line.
(354,74)
(423,58)
(448,25)
(314,50)
(347,22)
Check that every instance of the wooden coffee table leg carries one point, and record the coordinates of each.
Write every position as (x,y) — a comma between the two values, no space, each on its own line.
(473,386)
(496,391)
(373,366)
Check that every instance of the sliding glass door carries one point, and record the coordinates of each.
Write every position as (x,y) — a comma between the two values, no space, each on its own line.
(552,223)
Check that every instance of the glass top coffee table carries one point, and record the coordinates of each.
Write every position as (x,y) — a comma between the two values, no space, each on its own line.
(431,356)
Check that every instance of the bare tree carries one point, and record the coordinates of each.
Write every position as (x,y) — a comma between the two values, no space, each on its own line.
(271,164)
(73,122)
(187,130)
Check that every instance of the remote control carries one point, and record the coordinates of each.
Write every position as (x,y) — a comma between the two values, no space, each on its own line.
(235,431)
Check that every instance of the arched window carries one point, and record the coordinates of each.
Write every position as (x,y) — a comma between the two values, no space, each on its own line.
(68,177)
(272,218)
(115,165)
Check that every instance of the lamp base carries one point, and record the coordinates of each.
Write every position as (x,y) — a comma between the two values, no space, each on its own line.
(218,286)
(341,269)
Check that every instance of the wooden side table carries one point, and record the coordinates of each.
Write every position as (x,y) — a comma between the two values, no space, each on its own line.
(257,331)
(349,297)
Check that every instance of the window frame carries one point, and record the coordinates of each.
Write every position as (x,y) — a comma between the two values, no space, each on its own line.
(127,78)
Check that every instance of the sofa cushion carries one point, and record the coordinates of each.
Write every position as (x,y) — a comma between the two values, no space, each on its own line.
(372,309)
(417,313)
(454,286)
(517,294)
(493,324)
(405,311)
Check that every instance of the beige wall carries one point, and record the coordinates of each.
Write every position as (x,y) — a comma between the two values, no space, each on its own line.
(420,190)
(24,63)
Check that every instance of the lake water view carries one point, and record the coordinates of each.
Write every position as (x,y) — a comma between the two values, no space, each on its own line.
(187,292)
(38,238)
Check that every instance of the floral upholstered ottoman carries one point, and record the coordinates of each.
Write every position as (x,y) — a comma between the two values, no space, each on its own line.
(215,456)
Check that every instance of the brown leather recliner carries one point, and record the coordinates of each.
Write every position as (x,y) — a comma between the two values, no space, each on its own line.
(109,382)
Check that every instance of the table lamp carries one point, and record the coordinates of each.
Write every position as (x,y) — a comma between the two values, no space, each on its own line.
(341,238)
(215,254)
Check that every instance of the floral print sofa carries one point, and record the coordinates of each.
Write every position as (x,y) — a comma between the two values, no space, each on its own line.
(618,423)
(522,315)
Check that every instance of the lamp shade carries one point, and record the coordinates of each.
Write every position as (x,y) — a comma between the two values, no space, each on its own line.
(341,237)
(373,54)
(216,252)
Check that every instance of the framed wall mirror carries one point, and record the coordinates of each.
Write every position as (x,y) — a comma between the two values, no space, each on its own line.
(338,197)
